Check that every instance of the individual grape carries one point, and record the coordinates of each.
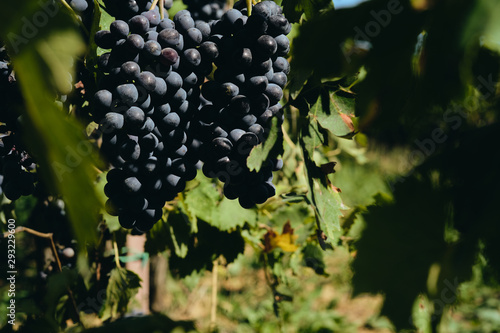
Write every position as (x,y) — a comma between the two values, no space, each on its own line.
(152,49)
(281,65)
(104,39)
(79,5)
(194,37)
(283,45)
(103,99)
(132,185)
(134,42)
(168,56)
(274,92)
(153,17)
(184,22)
(174,81)
(266,45)
(171,121)
(130,70)
(170,38)
(127,93)
(147,80)
(113,121)
(68,252)
(134,117)
(209,50)
(280,79)
(165,24)
(204,29)
(119,29)
(192,57)
(139,24)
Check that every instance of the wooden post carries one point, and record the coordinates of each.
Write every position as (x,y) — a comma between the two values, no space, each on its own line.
(135,244)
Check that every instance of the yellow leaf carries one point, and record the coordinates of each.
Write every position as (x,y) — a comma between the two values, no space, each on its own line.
(285,242)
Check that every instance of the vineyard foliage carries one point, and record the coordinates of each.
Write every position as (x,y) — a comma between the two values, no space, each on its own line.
(389,144)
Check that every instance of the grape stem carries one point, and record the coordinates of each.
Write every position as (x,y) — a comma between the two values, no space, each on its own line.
(160,7)
(117,254)
(249,7)
(50,237)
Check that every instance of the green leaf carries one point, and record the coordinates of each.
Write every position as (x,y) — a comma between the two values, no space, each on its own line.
(122,286)
(271,148)
(172,232)
(312,256)
(206,246)
(43,65)
(328,206)
(333,112)
(229,215)
(297,81)
(179,231)
(56,291)
(104,22)
(204,201)
(324,199)
(312,138)
(293,9)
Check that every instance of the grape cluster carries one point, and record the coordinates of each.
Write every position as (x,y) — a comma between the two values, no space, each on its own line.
(145,103)
(205,10)
(16,166)
(243,98)
(126,9)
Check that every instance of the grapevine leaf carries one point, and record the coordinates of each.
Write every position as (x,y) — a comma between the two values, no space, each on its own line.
(105,18)
(158,238)
(312,138)
(204,201)
(104,22)
(293,9)
(122,286)
(285,241)
(57,289)
(313,257)
(272,147)
(297,81)
(333,111)
(43,63)
(179,230)
(323,197)
(328,204)
(201,200)
(229,215)
(210,243)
